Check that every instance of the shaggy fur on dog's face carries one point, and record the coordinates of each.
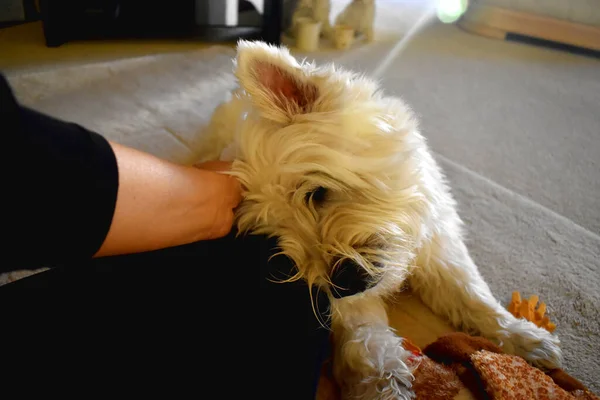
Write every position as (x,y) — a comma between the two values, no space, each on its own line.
(328,166)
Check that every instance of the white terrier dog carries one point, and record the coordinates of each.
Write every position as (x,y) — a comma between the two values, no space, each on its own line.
(340,173)
(360,16)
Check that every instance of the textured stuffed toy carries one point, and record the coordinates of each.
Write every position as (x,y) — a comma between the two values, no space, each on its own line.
(459,366)
(489,374)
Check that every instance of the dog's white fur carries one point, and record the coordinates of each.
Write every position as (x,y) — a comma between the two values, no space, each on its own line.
(388,208)
(360,16)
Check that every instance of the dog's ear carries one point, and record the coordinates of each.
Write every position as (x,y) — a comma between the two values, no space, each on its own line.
(274,80)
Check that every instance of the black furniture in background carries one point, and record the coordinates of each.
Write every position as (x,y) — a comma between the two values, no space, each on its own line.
(67,20)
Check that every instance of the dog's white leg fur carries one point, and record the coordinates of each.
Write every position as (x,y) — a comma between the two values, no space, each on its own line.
(317,10)
(447,280)
(367,23)
(369,34)
(221,130)
(322,11)
(360,15)
(369,361)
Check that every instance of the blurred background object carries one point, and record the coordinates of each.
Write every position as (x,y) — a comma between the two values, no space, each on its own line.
(449,11)
(13,12)
(207,20)
(567,22)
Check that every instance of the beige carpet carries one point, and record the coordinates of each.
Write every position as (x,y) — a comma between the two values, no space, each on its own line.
(517,129)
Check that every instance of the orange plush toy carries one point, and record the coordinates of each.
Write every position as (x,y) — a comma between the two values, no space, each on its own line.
(527,309)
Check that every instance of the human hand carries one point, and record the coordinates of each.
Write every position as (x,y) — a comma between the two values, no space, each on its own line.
(162,204)
(222,195)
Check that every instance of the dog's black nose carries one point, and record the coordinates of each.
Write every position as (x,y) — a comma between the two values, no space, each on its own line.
(348,279)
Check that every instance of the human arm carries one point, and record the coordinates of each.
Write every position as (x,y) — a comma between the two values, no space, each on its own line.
(161,204)
(69,194)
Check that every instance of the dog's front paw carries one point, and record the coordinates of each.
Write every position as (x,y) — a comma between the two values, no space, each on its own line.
(376,367)
(536,345)
(390,387)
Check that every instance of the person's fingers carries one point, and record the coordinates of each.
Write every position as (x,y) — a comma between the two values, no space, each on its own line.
(224,225)
(235,190)
(232,189)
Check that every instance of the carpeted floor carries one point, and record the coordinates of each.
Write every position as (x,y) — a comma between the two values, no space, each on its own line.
(516,127)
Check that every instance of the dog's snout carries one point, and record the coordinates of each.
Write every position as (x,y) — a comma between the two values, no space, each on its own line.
(348,279)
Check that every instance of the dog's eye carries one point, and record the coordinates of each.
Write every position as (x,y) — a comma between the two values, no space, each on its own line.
(317,195)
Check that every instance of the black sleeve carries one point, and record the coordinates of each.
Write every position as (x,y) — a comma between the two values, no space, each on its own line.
(60,187)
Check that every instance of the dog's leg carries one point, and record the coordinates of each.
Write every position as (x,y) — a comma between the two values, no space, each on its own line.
(368,22)
(322,9)
(327,30)
(369,34)
(370,362)
(447,280)
(220,131)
